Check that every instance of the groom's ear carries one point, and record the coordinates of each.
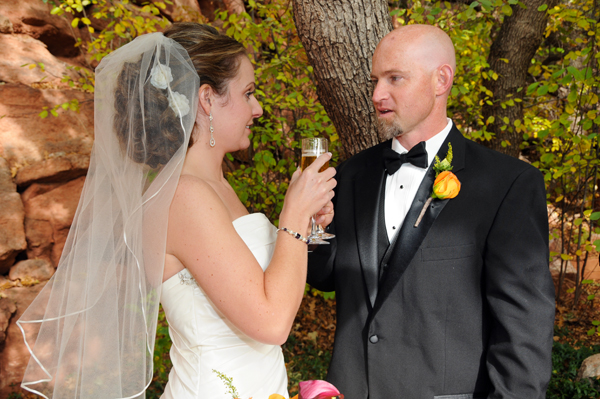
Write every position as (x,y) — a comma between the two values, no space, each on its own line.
(445,76)
(205,98)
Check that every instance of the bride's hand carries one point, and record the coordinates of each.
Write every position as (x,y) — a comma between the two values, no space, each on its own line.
(325,216)
(309,191)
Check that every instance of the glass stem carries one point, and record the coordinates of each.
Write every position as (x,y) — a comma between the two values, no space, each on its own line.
(313,227)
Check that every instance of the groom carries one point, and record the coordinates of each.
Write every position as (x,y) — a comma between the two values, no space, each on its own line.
(450,299)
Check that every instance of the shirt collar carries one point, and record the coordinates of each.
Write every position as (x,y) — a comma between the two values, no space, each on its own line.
(432,145)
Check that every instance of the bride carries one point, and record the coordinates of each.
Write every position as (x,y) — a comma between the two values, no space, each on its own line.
(157,220)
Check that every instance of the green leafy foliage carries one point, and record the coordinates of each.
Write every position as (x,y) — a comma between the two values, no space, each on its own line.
(286,87)
(561,121)
(287,93)
(311,365)
(125,22)
(564,125)
(470,27)
(71,105)
(566,360)
(162,361)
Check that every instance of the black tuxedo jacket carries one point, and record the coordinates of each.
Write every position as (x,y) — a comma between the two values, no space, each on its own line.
(461,306)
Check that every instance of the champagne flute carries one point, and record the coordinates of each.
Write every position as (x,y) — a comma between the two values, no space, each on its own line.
(312,147)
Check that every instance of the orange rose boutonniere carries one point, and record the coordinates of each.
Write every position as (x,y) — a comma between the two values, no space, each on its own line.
(446,184)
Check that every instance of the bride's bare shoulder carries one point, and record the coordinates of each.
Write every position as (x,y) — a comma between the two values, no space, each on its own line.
(195,195)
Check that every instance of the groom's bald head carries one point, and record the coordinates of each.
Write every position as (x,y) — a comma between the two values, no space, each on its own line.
(413,69)
(427,45)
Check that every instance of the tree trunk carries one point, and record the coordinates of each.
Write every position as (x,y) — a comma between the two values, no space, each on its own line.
(510,56)
(339,37)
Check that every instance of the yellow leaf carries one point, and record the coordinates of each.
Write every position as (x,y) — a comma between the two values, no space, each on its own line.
(86,21)
(75,22)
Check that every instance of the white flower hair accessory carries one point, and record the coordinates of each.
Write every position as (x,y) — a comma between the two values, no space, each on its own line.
(179,104)
(160,76)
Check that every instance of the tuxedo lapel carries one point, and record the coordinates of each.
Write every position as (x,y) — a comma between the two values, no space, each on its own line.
(408,240)
(367,210)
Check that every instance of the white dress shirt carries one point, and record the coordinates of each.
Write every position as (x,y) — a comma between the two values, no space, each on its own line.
(402,186)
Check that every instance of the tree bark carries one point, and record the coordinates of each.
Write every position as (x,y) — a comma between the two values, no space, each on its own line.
(339,37)
(510,57)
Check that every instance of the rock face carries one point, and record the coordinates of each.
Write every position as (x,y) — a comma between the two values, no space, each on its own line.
(11,221)
(31,269)
(182,10)
(26,139)
(14,357)
(7,308)
(12,214)
(18,50)
(30,76)
(42,162)
(55,169)
(48,217)
(33,18)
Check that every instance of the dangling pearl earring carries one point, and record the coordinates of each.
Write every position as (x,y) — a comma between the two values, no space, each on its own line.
(212,139)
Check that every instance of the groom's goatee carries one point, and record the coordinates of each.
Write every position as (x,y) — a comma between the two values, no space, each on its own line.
(388,130)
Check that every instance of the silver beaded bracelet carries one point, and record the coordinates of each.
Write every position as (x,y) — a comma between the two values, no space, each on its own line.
(297,236)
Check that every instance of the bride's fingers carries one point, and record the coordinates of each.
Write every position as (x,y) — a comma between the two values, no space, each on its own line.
(328,173)
(323,198)
(319,162)
(328,208)
(296,175)
(324,219)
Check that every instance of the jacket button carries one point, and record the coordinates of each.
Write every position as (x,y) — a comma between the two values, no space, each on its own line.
(373,339)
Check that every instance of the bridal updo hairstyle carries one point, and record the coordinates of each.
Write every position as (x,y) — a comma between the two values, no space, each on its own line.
(157,135)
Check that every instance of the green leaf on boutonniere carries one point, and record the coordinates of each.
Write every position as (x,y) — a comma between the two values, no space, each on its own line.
(446,184)
(446,164)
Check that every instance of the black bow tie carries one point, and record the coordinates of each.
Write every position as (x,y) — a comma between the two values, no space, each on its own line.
(417,156)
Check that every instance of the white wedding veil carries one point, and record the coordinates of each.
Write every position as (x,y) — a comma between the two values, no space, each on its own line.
(94,323)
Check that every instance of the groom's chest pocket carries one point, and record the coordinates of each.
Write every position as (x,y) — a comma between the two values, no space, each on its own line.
(452,254)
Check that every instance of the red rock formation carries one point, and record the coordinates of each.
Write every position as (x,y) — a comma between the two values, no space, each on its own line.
(31,270)
(12,237)
(48,217)
(33,18)
(26,139)
(14,356)
(45,159)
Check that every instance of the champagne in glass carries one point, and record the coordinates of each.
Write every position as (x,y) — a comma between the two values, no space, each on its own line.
(309,157)
(311,149)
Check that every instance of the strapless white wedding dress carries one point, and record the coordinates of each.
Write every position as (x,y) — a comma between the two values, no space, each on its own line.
(203,339)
